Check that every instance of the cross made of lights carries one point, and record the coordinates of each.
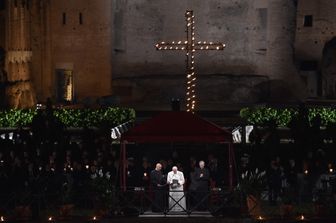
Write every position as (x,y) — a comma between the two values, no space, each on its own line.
(190,46)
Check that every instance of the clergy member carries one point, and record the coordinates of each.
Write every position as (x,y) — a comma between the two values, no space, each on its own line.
(202,177)
(158,185)
(177,201)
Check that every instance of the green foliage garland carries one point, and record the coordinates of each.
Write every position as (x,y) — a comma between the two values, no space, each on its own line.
(70,117)
(262,115)
(16,117)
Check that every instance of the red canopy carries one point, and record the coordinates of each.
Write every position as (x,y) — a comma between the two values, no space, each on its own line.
(177,126)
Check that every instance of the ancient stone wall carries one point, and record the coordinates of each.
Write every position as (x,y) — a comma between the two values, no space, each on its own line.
(2,26)
(105,39)
(316,27)
(244,65)
(285,82)
(143,23)
(311,38)
(19,90)
(241,25)
(73,35)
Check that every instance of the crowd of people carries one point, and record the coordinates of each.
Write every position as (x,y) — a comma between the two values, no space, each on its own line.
(68,167)
(65,166)
(64,170)
(300,170)
(53,168)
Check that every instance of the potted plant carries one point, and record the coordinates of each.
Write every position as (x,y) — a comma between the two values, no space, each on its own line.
(67,205)
(251,186)
(331,208)
(23,213)
(103,189)
(287,203)
(22,208)
(324,204)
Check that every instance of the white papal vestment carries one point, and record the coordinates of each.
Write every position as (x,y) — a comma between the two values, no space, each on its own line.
(176,193)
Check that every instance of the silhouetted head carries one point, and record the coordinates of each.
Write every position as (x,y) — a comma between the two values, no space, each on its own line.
(201,164)
(158,167)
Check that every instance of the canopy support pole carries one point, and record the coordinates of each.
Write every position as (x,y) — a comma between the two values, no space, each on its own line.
(123,165)
(232,164)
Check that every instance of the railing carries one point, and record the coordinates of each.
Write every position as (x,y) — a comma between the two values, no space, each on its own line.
(133,201)
(187,202)
(142,201)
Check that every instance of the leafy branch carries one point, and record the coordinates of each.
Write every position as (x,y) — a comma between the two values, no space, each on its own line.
(70,117)
(282,116)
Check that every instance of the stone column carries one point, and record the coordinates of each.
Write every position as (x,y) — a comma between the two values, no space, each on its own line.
(19,92)
(285,83)
(3,79)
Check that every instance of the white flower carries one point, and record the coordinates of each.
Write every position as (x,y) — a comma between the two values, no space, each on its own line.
(101,173)
(108,175)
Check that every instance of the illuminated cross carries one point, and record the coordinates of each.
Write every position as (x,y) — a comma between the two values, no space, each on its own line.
(190,46)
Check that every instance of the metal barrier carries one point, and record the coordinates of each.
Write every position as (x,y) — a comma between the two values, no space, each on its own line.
(145,200)
(137,199)
(132,202)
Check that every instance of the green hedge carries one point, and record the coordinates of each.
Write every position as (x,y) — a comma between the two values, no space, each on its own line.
(261,116)
(70,117)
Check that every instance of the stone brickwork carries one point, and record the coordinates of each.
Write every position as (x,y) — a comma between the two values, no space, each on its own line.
(310,40)
(20,92)
(73,35)
(41,37)
(2,27)
(109,45)
(259,36)
(316,27)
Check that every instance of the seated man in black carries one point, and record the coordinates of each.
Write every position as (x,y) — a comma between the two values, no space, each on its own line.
(158,184)
(202,177)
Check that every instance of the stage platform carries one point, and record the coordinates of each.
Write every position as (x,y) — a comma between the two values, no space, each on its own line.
(180,219)
(149,214)
(196,217)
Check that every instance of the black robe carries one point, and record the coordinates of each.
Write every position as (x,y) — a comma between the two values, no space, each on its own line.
(202,182)
(158,182)
(202,185)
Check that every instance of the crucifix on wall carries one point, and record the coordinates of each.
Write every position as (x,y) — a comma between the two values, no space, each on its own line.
(190,45)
